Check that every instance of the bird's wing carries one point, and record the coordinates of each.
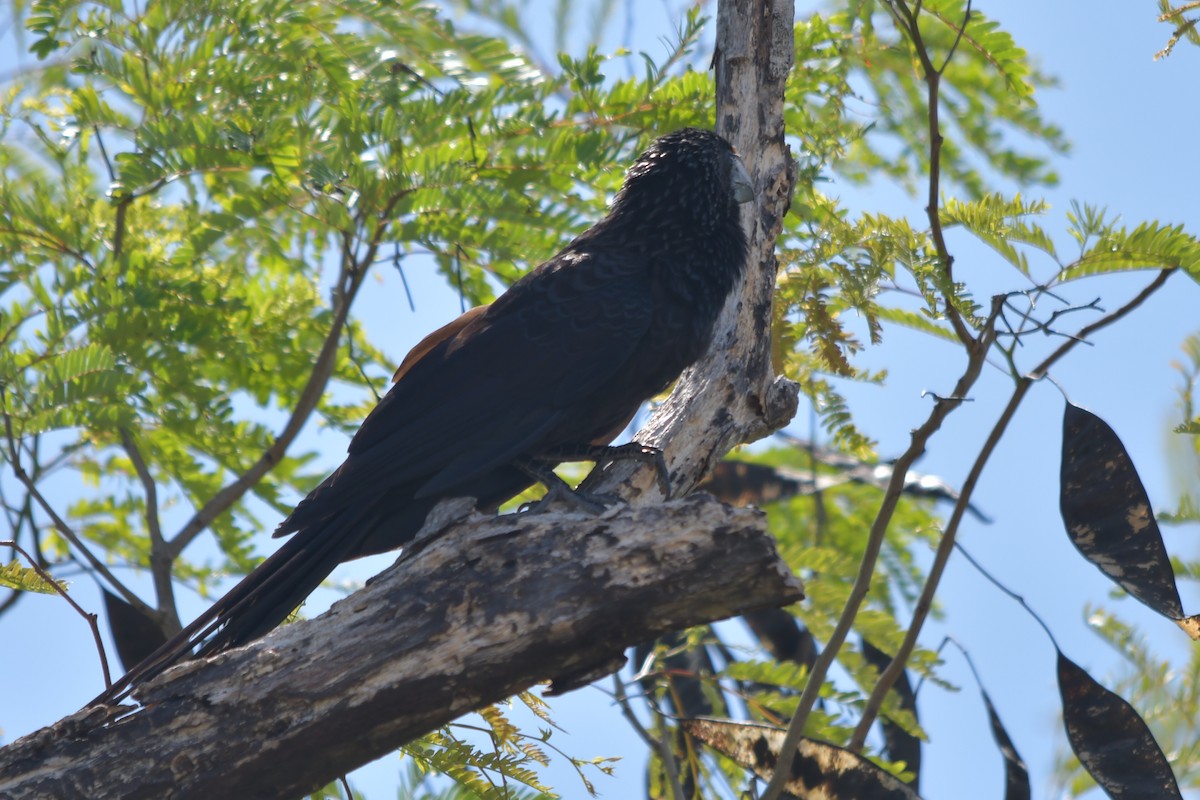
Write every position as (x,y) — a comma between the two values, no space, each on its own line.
(497,383)
(447,331)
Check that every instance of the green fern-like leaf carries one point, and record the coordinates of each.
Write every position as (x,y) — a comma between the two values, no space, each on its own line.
(1150,245)
(485,772)
(987,38)
(920,322)
(999,223)
(26,579)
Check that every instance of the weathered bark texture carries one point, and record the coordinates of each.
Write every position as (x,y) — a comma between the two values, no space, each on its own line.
(732,395)
(466,618)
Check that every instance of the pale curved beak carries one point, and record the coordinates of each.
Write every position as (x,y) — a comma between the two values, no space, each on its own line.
(743,187)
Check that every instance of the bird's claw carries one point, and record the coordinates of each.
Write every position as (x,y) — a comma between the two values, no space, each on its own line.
(587,502)
(645,454)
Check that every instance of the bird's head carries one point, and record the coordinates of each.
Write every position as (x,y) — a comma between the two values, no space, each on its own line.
(690,172)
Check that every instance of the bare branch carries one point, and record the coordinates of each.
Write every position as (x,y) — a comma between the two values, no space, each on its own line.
(59,523)
(160,559)
(310,396)
(88,617)
(660,745)
(942,408)
(957,39)
(933,79)
(946,546)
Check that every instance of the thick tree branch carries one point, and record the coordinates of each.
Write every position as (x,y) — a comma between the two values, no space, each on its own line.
(465,618)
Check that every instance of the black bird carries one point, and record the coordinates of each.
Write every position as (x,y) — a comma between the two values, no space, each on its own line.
(552,370)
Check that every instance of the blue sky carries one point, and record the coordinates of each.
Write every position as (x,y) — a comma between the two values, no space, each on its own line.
(1132,122)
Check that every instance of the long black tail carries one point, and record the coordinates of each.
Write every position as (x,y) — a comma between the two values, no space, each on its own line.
(266,596)
(259,603)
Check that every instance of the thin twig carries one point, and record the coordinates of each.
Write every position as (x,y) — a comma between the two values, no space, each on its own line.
(1045,327)
(660,745)
(946,546)
(538,739)
(689,744)
(13,598)
(90,618)
(458,276)
(670,763)
(933,77)
(622,697)
(1021,600)
(148,485)
(353,358)
(15,521)
(46,241)
(112,175)
(59,523)
(957,39)
(398,263)
(491,732)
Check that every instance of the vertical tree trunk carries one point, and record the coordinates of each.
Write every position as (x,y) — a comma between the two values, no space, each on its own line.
(732,395)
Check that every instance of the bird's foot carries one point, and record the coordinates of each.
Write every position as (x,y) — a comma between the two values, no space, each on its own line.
(561,494)
(644,454)
(605,454)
